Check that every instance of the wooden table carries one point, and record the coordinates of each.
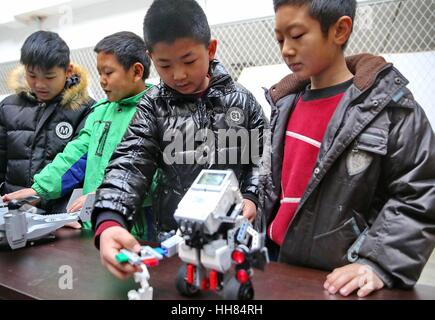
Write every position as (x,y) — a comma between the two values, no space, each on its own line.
(34,272)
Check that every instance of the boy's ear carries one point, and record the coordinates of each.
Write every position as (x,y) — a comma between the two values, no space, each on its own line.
(212,47)
(138,70)
(343,29)
(69,71)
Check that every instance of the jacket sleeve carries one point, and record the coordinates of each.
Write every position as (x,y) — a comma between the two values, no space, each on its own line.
(402,237)
(3,144)
(130,172)
(67,171)
(257,126)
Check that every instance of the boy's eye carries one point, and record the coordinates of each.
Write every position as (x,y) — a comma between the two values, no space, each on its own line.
(164,67)
(107,71)
(297,36)
(190,62)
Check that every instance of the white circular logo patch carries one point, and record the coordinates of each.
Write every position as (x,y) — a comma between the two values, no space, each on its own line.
(235,116)
(64,130)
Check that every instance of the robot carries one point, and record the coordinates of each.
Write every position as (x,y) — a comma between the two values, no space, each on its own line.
(212,237)
(216,236)
(21,221)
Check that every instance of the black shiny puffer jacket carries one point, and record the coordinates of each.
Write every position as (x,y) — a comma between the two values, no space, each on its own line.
(33,133)
(169,127)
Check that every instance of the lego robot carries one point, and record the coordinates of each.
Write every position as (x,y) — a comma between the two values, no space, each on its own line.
(21,222)
(215,236)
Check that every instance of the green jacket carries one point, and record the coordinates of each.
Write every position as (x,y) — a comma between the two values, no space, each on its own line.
(84,160)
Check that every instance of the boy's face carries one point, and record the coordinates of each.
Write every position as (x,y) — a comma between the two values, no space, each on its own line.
(306,50)
(116,82)
(46,84)
(183,65)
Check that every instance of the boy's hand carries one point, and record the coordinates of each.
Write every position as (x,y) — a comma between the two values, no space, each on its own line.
(249,210)
(20,194)
(347,279)
(73,225)
(78,204)
(112,240)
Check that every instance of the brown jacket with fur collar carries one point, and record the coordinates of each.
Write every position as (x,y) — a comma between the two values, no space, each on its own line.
(371,197)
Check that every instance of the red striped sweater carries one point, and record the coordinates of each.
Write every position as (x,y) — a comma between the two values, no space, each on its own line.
(305,130)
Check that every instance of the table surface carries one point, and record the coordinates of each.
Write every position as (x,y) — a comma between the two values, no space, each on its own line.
(35,272)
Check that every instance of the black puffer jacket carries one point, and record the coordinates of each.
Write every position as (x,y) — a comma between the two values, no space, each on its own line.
(33,133)
(165,118)
(371,198)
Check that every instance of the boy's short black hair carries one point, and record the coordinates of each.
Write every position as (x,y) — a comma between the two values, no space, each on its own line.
(45,50)
(128,48)
(169,20)
(327,12)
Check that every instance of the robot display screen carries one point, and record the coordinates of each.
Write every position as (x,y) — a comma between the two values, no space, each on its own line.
(212,179)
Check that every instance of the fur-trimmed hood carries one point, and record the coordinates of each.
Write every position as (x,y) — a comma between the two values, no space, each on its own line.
(74,95)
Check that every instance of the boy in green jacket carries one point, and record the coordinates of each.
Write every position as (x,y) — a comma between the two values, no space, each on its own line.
(123,66)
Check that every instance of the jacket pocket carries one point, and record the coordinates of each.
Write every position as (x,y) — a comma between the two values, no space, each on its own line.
(374,138)
(371,142)
(329,249)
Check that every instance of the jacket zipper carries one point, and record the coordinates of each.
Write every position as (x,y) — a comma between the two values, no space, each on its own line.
(41,105)
(103,139)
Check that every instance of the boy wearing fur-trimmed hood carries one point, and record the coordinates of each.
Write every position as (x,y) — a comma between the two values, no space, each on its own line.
(47,110)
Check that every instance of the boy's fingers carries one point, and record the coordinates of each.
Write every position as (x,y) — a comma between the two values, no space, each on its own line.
(112,241)
(74,225)
(333,275)
(370,284)
(75,207)
(249,213)
(116,272)
(365,290)
(110,260)
(127,241)
(340,281)
(350,287)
